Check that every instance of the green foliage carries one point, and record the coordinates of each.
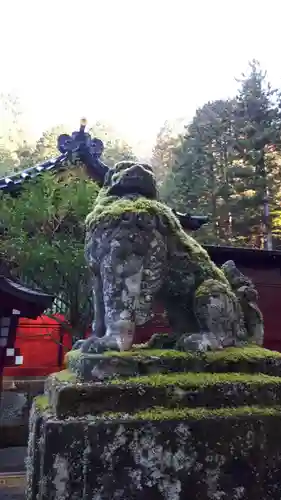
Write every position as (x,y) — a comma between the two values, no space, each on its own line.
(201,165)
(43,228)
(225,165)
(7,161)
(163,151)
(257,126)
(43,239)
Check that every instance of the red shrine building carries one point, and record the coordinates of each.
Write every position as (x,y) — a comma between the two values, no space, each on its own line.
(16,301)
(264,268)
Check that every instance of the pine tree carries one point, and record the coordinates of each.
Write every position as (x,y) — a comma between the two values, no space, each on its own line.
(163,152)
(199,179)
(257,123)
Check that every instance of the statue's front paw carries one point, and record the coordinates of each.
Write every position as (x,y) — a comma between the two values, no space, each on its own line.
(198,342)
(77,345)
(96,345)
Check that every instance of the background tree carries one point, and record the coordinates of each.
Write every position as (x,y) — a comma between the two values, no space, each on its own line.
(42,229)
(43,240)
(11,132)
(163,152)
(257,122)
(201,167)
(12,126)
(115,148)
(7,161)
(227,164)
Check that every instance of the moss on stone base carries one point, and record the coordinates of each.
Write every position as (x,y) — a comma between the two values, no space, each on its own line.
(249,353)
(64,376)
(188,390)
(159,353)
(144,361)
(198,379)
(161,413)
(41,403)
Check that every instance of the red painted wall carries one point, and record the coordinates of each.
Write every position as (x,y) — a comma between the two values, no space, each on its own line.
(38,341)
(268,284)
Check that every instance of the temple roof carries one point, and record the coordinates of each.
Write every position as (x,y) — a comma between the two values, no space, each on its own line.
(18,293)
(252,258)
(14,181)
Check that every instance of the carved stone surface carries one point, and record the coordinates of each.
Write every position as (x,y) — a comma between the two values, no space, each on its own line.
(159,459)
(201,434)
(247,294)
(138,252)
(146,361)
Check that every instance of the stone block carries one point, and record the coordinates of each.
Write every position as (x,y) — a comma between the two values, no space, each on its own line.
(166,426)
(34,452)
(143,361)
(162,455)
(210,390)
(55,457)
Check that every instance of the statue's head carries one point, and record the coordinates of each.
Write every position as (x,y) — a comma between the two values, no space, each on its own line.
(234,275)
(128,177)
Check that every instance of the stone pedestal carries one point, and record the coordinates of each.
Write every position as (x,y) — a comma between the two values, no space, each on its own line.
(176,427)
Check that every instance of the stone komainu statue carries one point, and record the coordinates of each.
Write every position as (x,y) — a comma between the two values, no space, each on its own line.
(138,253)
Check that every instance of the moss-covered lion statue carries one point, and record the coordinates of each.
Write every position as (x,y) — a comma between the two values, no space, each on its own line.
(138,253)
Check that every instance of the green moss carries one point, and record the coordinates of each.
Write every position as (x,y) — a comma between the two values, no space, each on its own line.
(41,402)
(65,376)
(157,353)
(159,413)
(190,379)
(231,354)
(214,288)
(73,355)
(250,353)
(116,207)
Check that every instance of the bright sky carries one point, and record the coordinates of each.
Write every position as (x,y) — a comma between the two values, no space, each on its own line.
(131,63)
